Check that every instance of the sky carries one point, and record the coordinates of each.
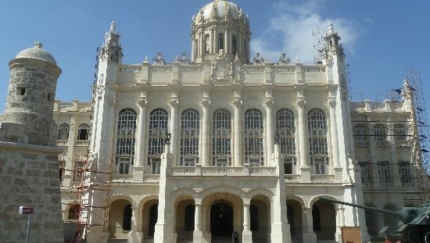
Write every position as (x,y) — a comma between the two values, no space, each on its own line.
(382,39)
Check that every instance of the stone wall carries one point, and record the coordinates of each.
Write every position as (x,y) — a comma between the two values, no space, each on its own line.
(29,176)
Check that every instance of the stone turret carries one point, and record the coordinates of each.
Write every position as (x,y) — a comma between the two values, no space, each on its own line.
(29,172)
(30,98)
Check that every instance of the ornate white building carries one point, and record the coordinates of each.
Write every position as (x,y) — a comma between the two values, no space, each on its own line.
(195,150)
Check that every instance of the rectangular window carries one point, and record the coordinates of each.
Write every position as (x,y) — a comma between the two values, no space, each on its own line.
(288,166)
(319,166)
(20,91)
(124,165)
(222,161)
(155,165)
(189,161)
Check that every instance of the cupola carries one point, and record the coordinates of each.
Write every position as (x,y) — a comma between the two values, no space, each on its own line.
(220,27)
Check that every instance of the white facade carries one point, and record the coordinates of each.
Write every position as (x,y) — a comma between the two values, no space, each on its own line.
(198,149)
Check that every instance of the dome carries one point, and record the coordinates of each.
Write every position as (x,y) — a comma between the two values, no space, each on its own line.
(221,8)
(36,52)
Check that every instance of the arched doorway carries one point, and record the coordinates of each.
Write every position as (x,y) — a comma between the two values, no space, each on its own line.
(153,216)
(259,211)
(324,220)
(294,216)
(185,210)
(120,214)
(221,219)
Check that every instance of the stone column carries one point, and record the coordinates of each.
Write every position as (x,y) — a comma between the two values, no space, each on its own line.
(334,140)
(202,45)
(205,133)
(269,130)
(303,139)
(173,129)
(237,149)
(197,234)
(70,156)
(215,41)
(308,232)
(227,42)
(395,172)
(246,234)
(140,144)
(136,234)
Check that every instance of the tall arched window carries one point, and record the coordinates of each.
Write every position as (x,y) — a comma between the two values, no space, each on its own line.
(190,132)
(156,138)
(380,133)
(83,132)
(400,132)
(126,139)
(63,132)
(254,137)
(317,133)
(221,138)
(285,129)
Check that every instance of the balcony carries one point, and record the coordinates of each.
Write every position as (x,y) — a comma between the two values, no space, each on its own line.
(81,143)
(122,178)
(293,178)
(322,178)
(223,171)
(63,143)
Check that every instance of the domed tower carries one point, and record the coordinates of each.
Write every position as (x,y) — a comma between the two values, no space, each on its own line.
(31,94)
(220,27)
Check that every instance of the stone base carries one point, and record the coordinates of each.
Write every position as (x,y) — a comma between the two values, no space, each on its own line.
(305,172)
(164,233)
(309,237)
(135,237)
(338,174)
(280,233)
(138,173)
(197,237)
(93,237)
(246,236)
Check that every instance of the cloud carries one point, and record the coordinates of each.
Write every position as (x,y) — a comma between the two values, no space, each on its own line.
(291,29)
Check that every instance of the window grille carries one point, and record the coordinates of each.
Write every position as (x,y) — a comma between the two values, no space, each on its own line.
(254,137)
(384,172)
(190,132)
(286,130)
(405,172)
(126,139)
(63,132)
(157,133)
(221,137)
(318,146)
(366,172)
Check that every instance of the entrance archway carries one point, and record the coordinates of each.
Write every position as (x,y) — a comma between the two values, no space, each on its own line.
(324,220)
(221,219)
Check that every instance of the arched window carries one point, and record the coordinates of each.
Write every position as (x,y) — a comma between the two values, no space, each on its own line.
(156,138)
(83,132)
(189,218)
(221,138)
(74,212)
(126,139)
(254,137)
(380,133)
(360,133)
(371,223)
(400,132)
(190,132)
(63,132)
(126,218)
(318,148)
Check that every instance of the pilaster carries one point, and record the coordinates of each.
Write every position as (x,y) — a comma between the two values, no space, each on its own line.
(205,160)
(237,160)
(140,147)
(334,139)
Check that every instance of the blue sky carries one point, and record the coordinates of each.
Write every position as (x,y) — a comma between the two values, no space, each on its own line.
(382,38)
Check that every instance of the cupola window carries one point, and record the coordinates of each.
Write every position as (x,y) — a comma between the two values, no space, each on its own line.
(220,42)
